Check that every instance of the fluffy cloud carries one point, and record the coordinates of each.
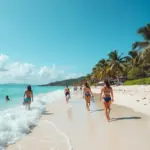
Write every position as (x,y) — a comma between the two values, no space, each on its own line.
(3,61)
(28,73)
(73,75)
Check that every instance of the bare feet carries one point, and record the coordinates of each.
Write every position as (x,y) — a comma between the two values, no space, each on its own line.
(88,109)
(108,118)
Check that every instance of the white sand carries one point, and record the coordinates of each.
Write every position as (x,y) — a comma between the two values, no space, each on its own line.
(67,127)
(135,97)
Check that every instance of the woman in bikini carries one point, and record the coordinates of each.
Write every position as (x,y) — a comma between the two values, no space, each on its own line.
(28,96)
(107,95)
(87,93)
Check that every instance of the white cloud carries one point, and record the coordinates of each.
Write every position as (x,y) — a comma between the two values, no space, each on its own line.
(73,75)
(28,73)
(3,59)
(3,62)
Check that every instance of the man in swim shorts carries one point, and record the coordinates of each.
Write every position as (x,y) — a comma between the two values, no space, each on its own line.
(28,96)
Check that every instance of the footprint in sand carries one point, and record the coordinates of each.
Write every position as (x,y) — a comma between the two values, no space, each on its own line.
(137,100)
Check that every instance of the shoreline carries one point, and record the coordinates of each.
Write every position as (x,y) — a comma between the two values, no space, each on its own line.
(17,122)
(70,126)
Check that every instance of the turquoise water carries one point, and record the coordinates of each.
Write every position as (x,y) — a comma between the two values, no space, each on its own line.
(16,92)
(15,120)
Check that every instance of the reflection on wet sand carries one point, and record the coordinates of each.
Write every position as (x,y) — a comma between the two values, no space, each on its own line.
(69,114)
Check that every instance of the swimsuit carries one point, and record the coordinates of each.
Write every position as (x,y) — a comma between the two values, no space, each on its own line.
(87,94)
(27,100)
(67,93)
(107,99)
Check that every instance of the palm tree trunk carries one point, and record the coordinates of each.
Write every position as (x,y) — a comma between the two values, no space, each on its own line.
(118,79)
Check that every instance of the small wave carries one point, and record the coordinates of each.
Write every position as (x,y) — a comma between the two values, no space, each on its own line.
(18,122)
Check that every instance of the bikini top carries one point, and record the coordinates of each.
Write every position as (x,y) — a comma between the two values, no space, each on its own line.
(107,91)
(87,91)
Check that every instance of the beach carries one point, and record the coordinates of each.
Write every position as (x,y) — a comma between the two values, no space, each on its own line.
(71,127)
(136,97)
(55,58)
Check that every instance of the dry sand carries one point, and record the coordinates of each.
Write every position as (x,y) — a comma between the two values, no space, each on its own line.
(136,97)
(129,130)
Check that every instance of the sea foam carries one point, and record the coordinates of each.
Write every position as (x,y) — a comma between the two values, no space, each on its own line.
(17,122)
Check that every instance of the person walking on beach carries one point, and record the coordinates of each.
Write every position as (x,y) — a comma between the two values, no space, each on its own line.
(67,94)
(107,95)
(80,87)
(75,89)
(87,94)
(28,96)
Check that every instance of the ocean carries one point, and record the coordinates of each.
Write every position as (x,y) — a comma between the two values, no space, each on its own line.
(15,121)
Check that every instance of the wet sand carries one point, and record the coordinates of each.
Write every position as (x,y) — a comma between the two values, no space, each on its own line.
(71,126)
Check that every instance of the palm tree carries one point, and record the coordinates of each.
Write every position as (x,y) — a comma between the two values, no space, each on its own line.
(134,59)
(135,66)
(144,45)
(146,60)
(140,45)
(116,63)
(94,74)
(88,77)
(100,70)
(137,62)
(145,32)
(104,69)
(146,55)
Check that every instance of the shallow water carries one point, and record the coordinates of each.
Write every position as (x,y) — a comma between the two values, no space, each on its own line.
(16,92)
(15,121)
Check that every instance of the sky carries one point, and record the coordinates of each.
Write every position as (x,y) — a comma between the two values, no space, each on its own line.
(47,40)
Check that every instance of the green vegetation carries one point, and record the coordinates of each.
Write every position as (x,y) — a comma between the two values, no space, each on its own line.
(133,66)
(138,81)
(136,73)
(68,82)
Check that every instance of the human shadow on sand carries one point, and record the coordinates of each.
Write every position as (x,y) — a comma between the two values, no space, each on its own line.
(75,102)
(47,113)
(92,111)
(125,118)
(43,113)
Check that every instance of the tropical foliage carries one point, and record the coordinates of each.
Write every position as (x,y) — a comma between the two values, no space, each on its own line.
(133,66)
(138,81)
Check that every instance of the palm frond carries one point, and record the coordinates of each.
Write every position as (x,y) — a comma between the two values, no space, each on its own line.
(140,45)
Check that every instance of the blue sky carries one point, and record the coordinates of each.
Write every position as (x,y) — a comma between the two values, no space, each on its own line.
(72,34)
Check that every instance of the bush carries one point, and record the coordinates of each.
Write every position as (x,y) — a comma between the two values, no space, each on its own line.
(136,73)
(138,81)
